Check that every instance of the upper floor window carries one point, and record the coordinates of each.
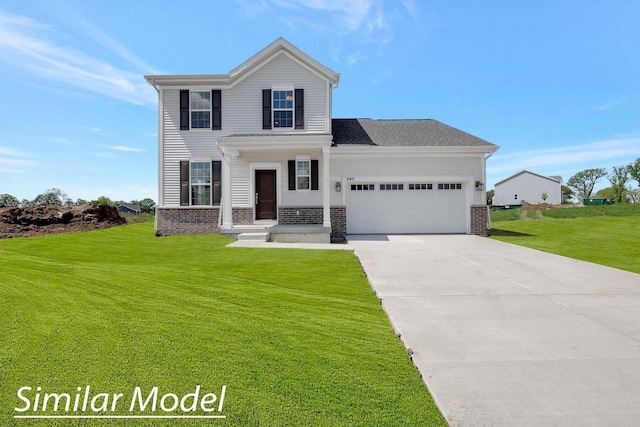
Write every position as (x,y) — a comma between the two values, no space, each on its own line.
(283,108)
(201,110)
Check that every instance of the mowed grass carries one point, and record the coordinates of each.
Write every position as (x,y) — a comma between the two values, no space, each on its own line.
(298,337)
(607,235)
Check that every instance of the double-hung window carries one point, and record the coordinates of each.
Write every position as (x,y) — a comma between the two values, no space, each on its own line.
(200,183)
(283,108)
(201,110)
(303,174)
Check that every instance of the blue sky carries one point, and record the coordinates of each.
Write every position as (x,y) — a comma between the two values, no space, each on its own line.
(555,83)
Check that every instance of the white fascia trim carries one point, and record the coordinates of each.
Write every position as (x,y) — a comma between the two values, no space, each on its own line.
(245,70)
(267,143)
(369,151)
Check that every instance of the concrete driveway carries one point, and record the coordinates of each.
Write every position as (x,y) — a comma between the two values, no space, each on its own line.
(509,336)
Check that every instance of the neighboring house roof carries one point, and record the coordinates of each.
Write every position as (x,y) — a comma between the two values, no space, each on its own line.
(135,208)
(556,179)
(247,67)
(402,133)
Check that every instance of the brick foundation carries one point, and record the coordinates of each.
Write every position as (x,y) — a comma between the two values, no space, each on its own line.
(242,216)
(479,220)
(314,215)
(306,215)
(192,220)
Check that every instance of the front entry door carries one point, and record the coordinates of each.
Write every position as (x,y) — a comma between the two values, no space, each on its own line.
(266,201)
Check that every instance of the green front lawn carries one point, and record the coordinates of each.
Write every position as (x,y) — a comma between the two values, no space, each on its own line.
(298,337)
(606,235)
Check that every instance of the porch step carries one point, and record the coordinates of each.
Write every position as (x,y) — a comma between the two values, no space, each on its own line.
(259,237)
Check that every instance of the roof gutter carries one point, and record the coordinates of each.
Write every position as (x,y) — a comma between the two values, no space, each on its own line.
(153,83)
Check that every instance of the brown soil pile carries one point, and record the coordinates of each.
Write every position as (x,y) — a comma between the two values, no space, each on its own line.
(49,219)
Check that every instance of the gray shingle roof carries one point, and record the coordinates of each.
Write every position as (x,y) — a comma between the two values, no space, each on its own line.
(402,133)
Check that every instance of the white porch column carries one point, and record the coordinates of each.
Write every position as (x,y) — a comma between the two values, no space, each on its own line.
(326,188)
(227,213)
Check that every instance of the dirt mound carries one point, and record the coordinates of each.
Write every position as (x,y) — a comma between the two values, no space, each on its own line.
(24,222)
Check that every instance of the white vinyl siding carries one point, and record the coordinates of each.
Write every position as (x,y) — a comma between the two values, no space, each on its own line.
(242,104)
(528,187)
(181,145)
(241,114)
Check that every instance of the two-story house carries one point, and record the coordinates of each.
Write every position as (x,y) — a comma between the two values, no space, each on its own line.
(257,148)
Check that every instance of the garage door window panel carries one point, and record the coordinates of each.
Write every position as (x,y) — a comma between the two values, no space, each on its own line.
(391,187)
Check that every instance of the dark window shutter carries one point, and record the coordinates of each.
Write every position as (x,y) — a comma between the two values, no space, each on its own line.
(184,183)
(216,167)
(184,110)
(292,174)
(299,108)
(266,109)
(314,174)
(216,110)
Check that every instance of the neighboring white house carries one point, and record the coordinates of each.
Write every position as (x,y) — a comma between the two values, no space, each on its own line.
(258,147)
(528,187)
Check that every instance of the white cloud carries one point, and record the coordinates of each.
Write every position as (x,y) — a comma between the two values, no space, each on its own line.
(28,46)
(125,148)
(11,159)
(565,160)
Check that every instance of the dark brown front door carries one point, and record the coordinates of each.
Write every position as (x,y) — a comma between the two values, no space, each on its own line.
(266,206)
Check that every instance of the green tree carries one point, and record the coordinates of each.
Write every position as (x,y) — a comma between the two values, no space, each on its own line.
(146,205)
(618,179)
(8,200)
(102,200)
(633,194)
(490,195)
(81,202)
(584,181)
(634,170)
(606,193)
(53,196)
(567,194)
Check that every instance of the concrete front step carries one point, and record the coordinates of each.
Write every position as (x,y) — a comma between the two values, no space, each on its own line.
(258,237)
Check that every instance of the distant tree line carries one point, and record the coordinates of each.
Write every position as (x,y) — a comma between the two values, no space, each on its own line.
(582,184)
(55,196)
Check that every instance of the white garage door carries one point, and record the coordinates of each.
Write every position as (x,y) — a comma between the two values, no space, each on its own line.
(405,208)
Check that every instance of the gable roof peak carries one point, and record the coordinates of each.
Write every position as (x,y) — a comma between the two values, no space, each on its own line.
(275,47)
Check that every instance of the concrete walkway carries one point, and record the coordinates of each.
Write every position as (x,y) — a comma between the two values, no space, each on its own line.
(509,336)
(277,245)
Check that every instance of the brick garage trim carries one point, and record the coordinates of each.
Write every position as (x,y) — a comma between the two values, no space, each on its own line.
(338,221)
(479,220)
(192,220)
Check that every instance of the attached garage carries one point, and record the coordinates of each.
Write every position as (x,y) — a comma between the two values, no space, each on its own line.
(415,207)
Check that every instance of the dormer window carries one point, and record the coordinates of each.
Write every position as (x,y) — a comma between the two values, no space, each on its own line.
(283,108)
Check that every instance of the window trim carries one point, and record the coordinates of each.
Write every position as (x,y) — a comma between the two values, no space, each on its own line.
(192,110)
(292,110)
(300,159)
(210,184)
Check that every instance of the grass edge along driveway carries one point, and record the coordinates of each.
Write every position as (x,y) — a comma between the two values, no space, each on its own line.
(610,239)
(298,337)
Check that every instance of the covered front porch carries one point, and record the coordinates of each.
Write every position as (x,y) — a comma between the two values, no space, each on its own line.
(276,184)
